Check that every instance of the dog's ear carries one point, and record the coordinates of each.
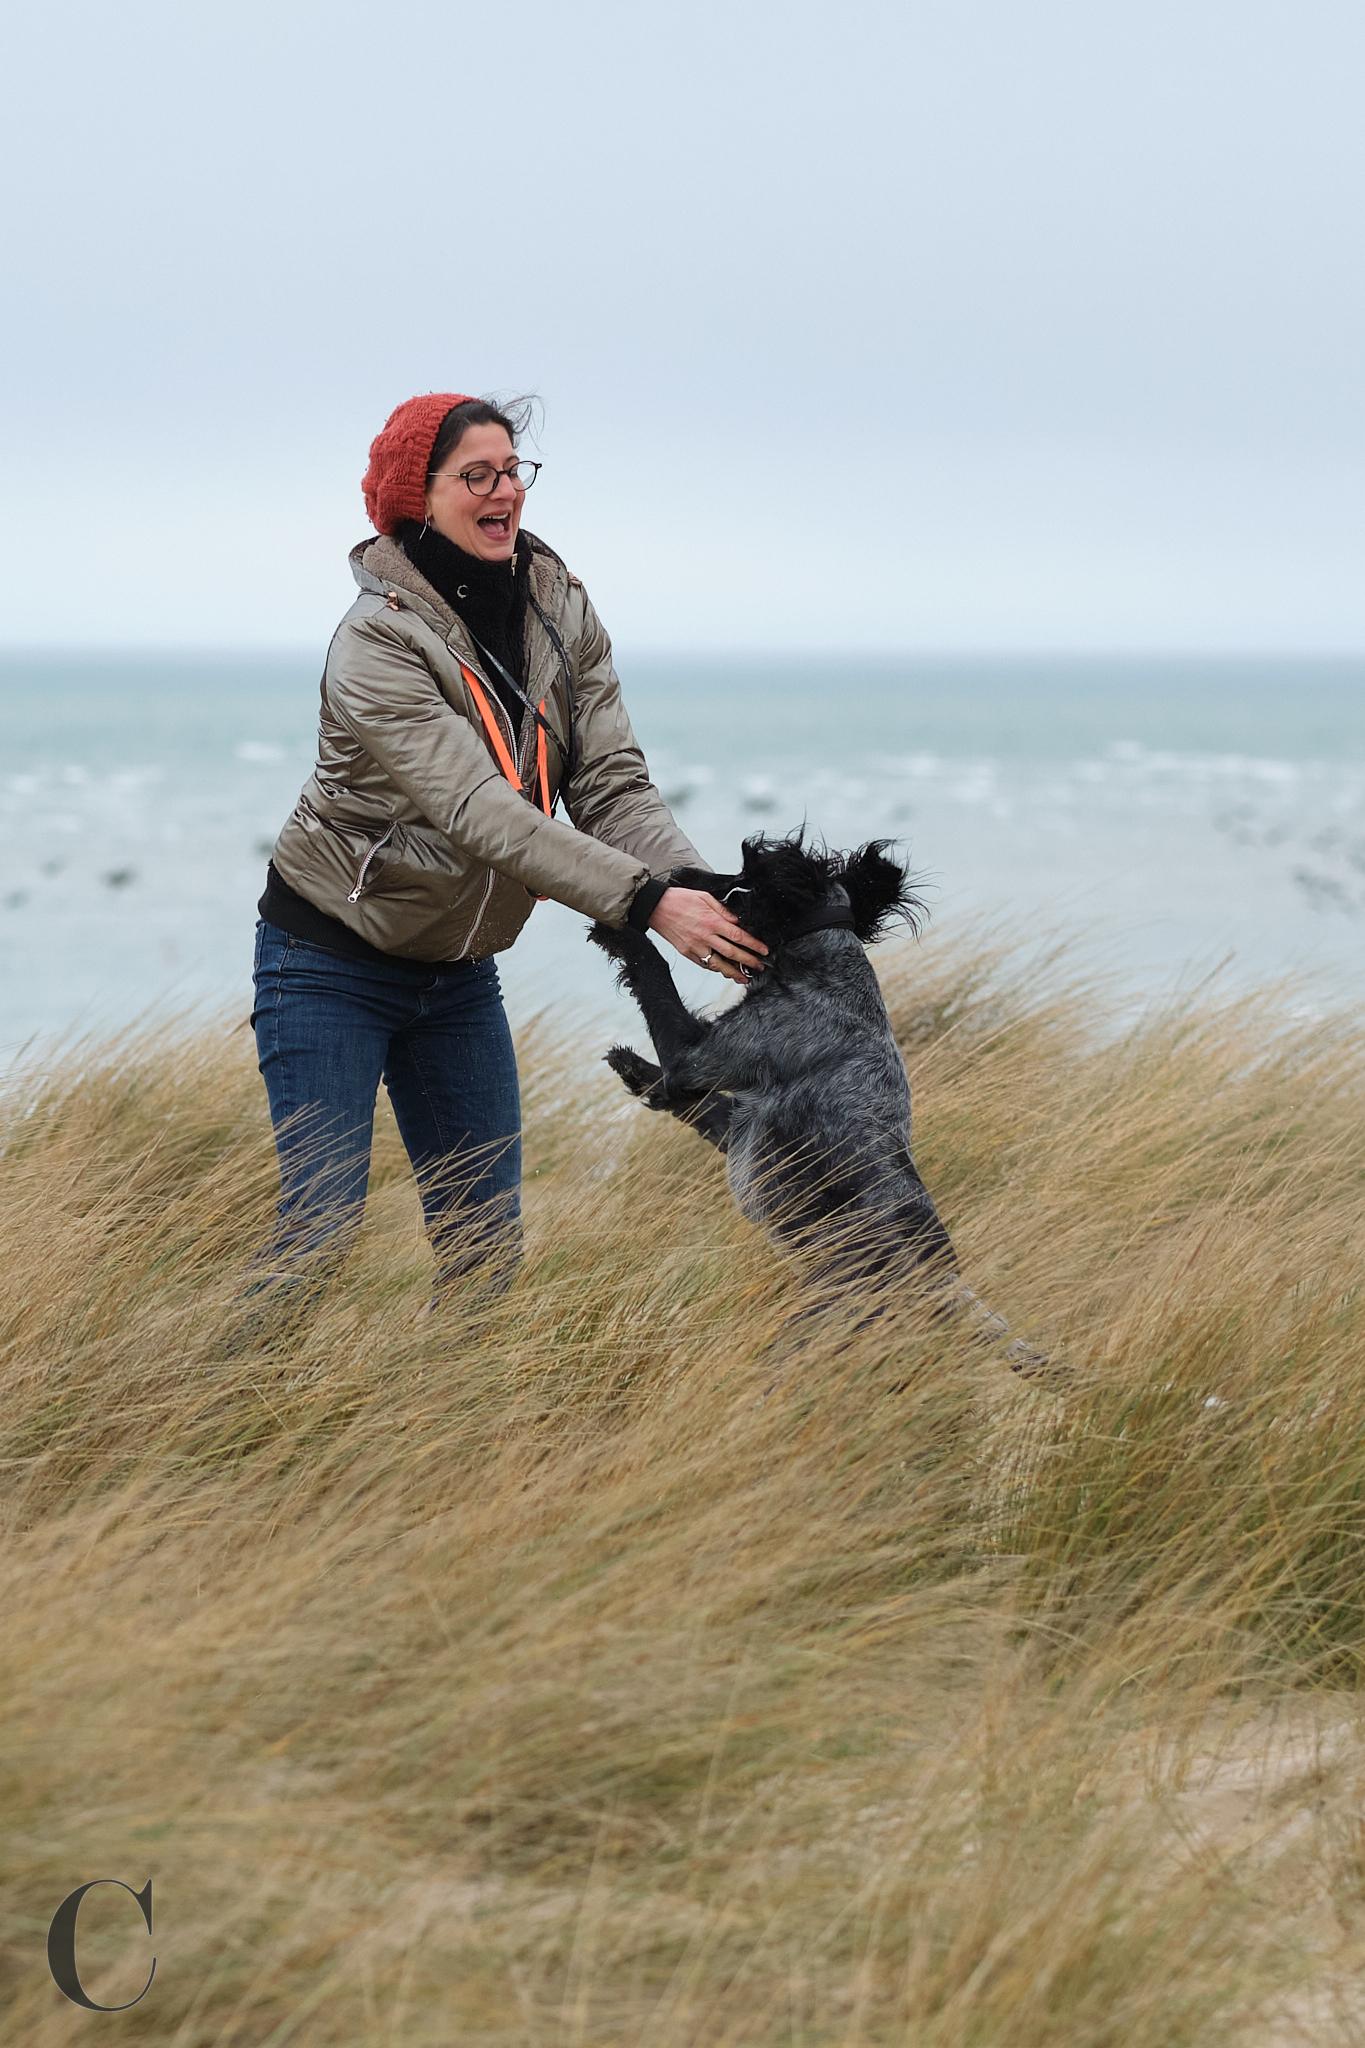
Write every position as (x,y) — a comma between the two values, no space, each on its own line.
(880,890)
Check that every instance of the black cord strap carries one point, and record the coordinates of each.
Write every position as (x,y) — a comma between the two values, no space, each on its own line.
(513,685)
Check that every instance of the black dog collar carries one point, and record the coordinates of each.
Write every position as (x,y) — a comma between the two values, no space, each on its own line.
(834,917)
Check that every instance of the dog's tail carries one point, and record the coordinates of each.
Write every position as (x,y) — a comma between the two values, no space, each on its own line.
(987,1327)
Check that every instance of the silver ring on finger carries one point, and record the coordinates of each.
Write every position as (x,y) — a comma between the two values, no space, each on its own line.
(706,957)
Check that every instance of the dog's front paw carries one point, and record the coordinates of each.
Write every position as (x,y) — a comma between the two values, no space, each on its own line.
(638,1073)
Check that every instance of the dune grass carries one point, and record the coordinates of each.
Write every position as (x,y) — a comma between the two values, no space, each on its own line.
(595,1668)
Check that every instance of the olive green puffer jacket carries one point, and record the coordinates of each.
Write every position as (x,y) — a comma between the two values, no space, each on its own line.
(408,831)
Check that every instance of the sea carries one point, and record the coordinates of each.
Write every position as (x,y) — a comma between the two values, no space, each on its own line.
(1170,819)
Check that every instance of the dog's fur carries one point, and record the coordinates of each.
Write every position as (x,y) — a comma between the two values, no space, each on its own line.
(801,1084)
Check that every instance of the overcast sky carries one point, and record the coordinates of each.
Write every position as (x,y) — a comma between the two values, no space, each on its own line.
(944,323)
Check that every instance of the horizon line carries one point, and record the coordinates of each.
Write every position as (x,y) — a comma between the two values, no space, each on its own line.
(715,650)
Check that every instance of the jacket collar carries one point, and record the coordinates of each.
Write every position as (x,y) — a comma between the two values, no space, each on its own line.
(379,565)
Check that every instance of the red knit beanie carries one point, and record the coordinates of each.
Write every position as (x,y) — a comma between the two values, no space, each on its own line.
(395,484)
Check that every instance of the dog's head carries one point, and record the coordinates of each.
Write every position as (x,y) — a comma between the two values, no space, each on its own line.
(783,882)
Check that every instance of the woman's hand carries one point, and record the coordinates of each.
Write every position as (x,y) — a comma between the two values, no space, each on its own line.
(705,932)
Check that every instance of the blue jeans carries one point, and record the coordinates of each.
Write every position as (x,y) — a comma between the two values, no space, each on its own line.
(328,1030)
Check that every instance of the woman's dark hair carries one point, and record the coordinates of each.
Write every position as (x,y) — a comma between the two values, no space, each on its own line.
(513,415)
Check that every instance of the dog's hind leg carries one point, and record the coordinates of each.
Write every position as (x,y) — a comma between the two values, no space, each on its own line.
(924,1236)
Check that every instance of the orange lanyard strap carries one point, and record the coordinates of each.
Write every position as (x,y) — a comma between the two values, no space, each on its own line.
(499,744)
(492,728)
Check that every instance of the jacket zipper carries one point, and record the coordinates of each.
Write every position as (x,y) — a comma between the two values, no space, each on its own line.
(478,914)
(383,840)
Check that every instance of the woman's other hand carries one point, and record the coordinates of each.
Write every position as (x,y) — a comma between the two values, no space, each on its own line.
(705,932)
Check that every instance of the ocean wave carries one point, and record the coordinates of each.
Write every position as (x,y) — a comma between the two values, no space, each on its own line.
(1206,766)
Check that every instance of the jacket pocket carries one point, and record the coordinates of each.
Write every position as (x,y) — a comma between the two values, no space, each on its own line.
(371,851)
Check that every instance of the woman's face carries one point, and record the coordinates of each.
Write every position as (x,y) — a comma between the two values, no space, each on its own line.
(484,526)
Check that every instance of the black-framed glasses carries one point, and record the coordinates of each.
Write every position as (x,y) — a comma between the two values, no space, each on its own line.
(482,478)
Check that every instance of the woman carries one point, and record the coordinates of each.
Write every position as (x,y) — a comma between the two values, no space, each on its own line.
(467,689)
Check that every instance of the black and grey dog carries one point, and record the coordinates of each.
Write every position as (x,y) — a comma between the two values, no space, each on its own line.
(801,1084)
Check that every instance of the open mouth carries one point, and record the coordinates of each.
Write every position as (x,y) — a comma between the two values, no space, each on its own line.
(498,524)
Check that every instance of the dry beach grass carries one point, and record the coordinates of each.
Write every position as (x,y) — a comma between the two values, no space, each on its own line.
(531,1679)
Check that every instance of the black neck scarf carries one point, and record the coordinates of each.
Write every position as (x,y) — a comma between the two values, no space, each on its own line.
(489,596)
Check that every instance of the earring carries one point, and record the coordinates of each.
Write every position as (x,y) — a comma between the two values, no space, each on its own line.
(423,534)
